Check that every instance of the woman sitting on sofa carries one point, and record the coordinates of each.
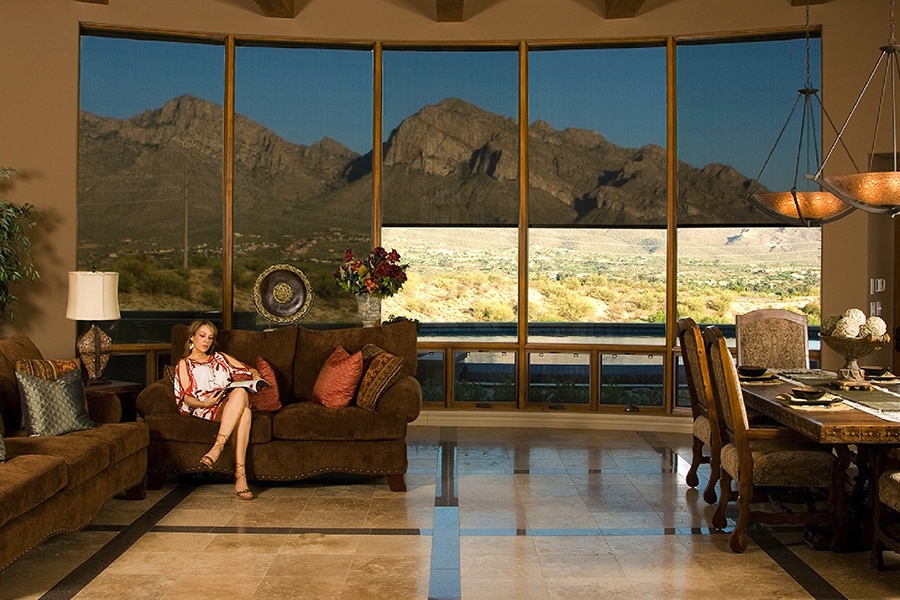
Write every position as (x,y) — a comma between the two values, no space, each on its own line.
(200,390)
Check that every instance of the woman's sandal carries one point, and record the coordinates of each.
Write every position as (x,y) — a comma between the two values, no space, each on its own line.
(208,460)
(244,494)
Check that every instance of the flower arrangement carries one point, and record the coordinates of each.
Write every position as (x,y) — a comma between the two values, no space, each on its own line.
(380,274)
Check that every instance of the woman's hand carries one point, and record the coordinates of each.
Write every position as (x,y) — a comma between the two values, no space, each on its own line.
(215,397)
(255,374)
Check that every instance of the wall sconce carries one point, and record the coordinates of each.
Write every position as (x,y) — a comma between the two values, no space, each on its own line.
(93,296)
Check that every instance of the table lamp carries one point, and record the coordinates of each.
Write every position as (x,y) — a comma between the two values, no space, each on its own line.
(93,296)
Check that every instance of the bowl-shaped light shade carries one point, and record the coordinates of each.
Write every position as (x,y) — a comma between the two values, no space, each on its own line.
(877,190)
(93,296)
(818,207)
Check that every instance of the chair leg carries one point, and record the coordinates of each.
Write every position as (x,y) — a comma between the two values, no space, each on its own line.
(738,539)
(697,459)
(719,521)
(715,468)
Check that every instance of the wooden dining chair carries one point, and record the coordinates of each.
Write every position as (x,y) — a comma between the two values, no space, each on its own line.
(885,518)
(706,421)
(772,338)
(763,460)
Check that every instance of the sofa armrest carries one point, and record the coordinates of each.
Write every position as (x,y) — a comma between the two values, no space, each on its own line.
(103,407)
(404,397)
(157,398)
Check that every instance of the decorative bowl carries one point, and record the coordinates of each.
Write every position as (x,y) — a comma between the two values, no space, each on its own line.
(853,349)
(807,393)
(750,371)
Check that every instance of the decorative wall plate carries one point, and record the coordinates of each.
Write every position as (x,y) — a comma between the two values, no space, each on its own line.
(282,294)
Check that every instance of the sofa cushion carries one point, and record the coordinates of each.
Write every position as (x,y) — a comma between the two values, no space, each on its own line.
(54,406)
(186,428)
(277,346)
(267,398)
(122,439)
(315,346)
(12,349)
(381,370)
(309,421)
(84,455)
(337,381)
(28,480)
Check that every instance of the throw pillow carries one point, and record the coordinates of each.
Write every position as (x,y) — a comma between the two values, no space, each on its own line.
(381,370)
(53,406)
(338,379)
(267,398)
(2,448)
(46,369)
(169,372)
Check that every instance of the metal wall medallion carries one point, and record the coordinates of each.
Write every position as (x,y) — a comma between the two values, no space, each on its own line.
(282,294)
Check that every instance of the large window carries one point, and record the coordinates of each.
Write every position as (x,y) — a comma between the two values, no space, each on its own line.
(303,174)
(451,183)
(733,100)
(150,176)
(597,192)
(579,251)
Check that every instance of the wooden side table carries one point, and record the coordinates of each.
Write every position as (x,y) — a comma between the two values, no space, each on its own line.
(127,391)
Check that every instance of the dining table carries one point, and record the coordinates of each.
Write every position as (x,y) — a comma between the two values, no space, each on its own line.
(858,423)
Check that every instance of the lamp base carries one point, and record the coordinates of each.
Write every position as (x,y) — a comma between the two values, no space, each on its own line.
(94,349)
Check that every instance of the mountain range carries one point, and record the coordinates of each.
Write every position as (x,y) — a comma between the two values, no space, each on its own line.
(450,163)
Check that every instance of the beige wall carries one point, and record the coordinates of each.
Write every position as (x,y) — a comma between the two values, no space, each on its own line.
(39,95)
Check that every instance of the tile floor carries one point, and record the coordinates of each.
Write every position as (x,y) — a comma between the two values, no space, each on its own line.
(524,514)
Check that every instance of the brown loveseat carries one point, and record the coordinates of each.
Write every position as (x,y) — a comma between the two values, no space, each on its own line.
(303,438)
(57,483)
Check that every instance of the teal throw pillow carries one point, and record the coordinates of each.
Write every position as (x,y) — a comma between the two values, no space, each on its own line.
(53,406)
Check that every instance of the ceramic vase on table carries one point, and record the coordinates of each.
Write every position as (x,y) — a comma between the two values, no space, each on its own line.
(369,307)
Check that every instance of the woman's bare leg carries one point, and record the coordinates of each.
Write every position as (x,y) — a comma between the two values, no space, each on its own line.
(235,403)
(241,440)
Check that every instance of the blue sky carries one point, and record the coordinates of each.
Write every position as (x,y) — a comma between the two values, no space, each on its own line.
(733,99)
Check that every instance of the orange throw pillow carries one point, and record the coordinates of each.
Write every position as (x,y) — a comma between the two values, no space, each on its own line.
(337,381)
(266,398)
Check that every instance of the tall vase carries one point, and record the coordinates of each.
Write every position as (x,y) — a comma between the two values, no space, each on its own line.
(369,309)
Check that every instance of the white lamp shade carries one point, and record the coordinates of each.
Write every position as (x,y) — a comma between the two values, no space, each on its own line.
(93,296)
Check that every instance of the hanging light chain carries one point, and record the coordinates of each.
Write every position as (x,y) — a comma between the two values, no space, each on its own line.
(808,82)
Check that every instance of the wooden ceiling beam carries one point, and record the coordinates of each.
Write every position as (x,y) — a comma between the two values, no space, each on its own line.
(282,9)
(450,11)
(621,9)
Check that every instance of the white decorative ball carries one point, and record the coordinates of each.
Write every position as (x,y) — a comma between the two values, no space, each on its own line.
(874,326)
(846,328)
(855,316)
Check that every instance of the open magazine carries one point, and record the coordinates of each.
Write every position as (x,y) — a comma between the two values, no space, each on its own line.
(252,385)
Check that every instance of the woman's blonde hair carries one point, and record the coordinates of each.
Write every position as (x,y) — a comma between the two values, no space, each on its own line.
(189,345)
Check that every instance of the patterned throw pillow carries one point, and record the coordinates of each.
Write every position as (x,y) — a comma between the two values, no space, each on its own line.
(53,406)
(169,372)
(46,369)
(338,379)
(381,370)
(267,398)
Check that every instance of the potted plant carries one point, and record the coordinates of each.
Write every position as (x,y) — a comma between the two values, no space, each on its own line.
(16,260)
(379,275)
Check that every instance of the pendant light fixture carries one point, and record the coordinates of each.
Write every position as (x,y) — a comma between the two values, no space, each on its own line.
(872,191)
(802,207)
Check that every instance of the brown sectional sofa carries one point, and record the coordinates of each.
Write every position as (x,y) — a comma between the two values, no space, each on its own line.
(303,438)
(57,484)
